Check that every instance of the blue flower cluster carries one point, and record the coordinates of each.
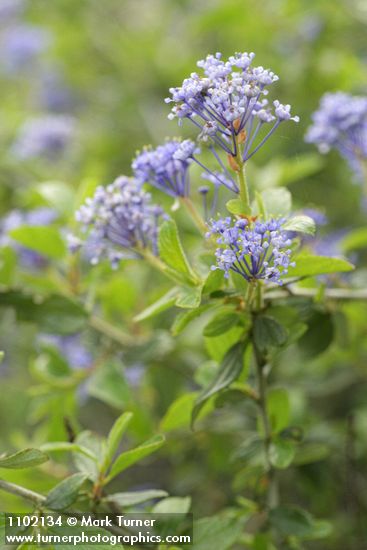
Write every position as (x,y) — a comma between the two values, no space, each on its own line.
(46,136)
(166,167)
(120,221)
(228,106)
(253,250)
(341,123)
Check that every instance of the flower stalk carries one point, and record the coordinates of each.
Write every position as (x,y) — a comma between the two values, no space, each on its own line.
(194,214)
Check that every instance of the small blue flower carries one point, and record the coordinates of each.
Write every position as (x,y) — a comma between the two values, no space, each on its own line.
(46,136)
(166,167)
(258,250)
(119,221)
(341,123)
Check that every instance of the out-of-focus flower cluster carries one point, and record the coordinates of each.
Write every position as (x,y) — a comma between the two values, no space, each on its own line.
(341,123)
(46,136)
(22,45)
(10,9)
(24,49)
(71,347)
(40,216)
(119,222)
(166,167)
(252,250)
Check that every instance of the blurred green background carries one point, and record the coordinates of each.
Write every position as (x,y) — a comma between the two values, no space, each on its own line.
(114,62)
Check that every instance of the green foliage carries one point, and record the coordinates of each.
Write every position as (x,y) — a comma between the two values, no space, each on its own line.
(276,202)
(216,531)
(46,241)
(282,452)
(268,333)
(173,505)
(65,493)
(229,370)
(172,252)
(297,522)
(355,240)
(137,497)
(319,335)
(127,459)
(179,413)
(278,408)
(75,350)
(308,265)
(301,224)
(235,206)
(27,458)
(221,323)
(115,436)
(55,313)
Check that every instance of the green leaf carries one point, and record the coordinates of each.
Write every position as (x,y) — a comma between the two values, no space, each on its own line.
(277,202)
(58,194)
(52,369)
(260,204)
(173,505)
(250,449)
(297,522)
(184,297)
(115,436)
(44,240)
(319,334)
(214,281)
(127,459)
(308,265)
(65,493)
(189,297)
(228,372)
(88,465)
(171,250)
(133,498)
(235,206)
(109,385)
(165,302)
(27,458)
(183,319)
(179,413)
(295,169)
(301,224)
(217,532)
(268,333)
(221,323)
(218,347)
(8,264)
(281,452)
(55,314)
(355,240)
(278,409)
(311,452)
(65,446)
(2,355)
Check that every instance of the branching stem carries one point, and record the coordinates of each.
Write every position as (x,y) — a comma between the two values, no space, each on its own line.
(26,494)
